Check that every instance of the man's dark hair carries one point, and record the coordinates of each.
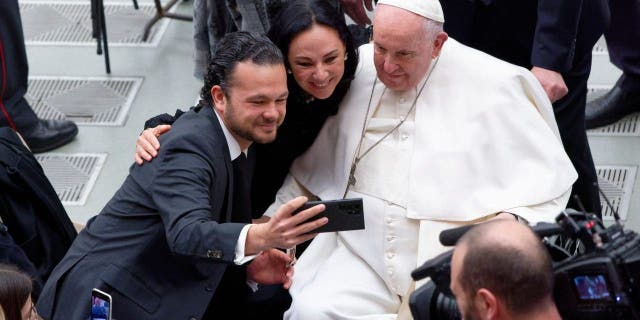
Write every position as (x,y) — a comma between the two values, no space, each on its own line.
(235,47)
(518,272)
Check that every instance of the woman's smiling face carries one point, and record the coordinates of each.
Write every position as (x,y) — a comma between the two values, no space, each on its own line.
(316,57)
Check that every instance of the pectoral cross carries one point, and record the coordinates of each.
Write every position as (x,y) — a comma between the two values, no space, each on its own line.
(352,175)
(352,178)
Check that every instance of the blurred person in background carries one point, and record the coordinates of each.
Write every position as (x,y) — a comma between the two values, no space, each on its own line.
(15,112)
(623,44)
(554,39)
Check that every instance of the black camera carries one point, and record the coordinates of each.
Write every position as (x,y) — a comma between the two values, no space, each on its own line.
(599,280)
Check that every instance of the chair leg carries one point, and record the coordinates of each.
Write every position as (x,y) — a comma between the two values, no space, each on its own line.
(135,4)
(103,34)
(95,25)
(94,22)
(162,12)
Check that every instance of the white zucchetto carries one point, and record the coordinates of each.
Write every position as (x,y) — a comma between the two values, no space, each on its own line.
(429,9)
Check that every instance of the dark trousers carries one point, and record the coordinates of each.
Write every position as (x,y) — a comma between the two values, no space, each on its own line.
(623,38)
(569,113)
(15,111)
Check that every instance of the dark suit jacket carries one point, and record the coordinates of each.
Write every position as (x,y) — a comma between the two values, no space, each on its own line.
(554,34)
(159,247)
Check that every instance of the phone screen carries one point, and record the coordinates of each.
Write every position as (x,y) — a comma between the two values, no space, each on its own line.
(100,306)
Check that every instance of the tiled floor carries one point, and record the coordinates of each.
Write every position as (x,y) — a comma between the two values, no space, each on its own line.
(616,148)
(56,22)
(67,79)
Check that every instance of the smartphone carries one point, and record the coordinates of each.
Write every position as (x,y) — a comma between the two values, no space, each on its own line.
(343,214)
(100,305)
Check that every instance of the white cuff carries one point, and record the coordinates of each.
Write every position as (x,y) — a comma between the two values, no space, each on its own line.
(240,258)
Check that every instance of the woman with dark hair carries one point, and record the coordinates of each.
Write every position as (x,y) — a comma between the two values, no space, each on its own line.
(15,294)
(321,60)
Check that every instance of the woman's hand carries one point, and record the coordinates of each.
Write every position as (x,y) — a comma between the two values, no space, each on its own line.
(148,144)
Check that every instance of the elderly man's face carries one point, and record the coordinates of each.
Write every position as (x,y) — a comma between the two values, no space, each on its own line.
(402,50)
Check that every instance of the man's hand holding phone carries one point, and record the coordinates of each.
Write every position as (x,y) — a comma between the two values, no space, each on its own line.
(285,230)
(343,214)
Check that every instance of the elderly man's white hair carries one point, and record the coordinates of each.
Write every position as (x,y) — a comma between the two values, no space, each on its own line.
(429,9)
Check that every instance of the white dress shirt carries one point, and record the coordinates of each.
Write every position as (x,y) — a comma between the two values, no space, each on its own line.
(234,152)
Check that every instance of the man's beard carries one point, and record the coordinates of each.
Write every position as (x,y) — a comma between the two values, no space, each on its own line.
(236,126)
(248,135)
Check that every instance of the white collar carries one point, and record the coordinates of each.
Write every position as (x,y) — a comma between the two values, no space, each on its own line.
(232,143)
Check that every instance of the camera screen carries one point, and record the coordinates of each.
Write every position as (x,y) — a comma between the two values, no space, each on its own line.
(99,308)
(591,287)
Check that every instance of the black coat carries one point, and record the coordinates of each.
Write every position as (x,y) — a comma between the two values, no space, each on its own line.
(32,212)
(161,245)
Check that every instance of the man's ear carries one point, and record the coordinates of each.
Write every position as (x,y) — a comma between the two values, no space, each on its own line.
(487,304)
(219,99)
(438,42)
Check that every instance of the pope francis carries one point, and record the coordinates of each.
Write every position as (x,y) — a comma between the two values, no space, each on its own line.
(432,135)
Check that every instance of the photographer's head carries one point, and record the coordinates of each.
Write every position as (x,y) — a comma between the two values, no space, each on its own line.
(247,84)
(501,270)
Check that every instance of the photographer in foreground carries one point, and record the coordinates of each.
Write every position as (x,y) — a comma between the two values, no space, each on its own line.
(501,270)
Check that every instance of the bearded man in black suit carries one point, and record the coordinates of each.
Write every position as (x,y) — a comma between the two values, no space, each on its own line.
(176,241)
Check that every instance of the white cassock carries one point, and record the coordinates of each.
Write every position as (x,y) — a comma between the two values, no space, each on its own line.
(481,140)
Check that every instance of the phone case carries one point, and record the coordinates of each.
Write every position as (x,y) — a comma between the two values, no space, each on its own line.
(343,214)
